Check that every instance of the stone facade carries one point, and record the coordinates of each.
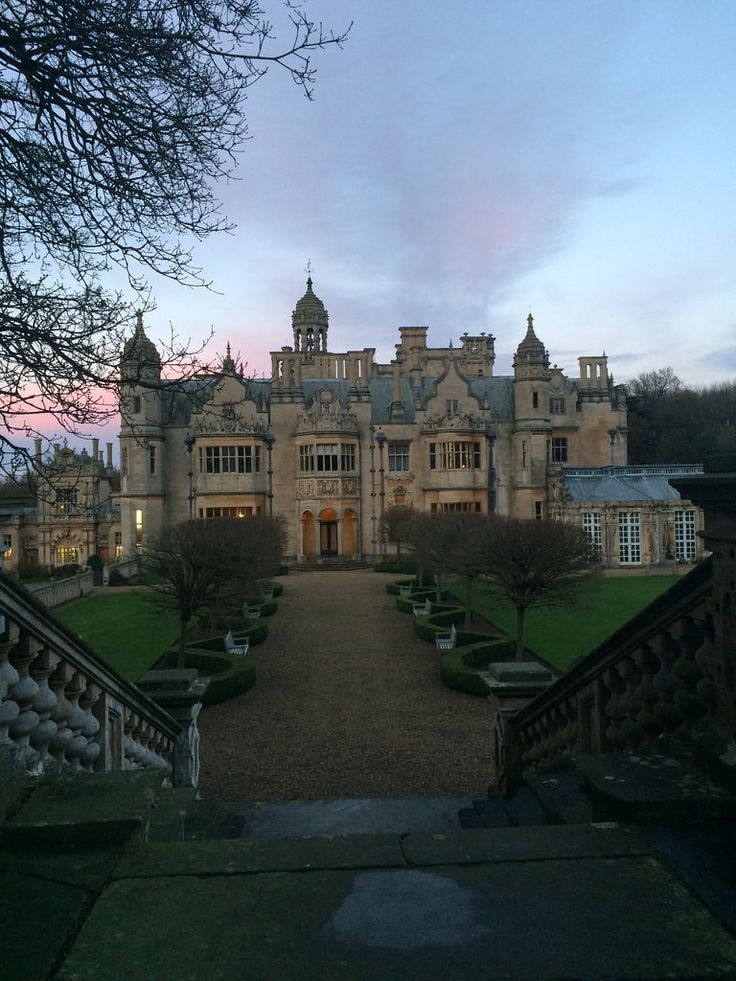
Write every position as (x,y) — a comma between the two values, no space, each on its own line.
(74,515)
(332,440)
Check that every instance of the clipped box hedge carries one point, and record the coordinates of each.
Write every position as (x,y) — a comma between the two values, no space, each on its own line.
(459,668)
(229,675)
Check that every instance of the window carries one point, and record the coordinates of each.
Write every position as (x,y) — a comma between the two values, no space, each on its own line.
(230,459)
(629,542)
(347,457)
(152,459)
(124,461)
(66,499)
(8,546)
(592,532)
(398,456)
(67,555)
(535,400)
(685,536)
(538,511)
(229,512)
(136,403)
(523,453)
(118,544)
(138,528)
(473,506)
(557,407)
(557,450)
(453,407)
(326,457)
(306,459)
(456,455)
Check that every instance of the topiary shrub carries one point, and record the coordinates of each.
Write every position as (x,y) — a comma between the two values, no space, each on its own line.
(394,588)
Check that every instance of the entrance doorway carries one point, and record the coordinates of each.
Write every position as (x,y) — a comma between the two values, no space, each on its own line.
(328,532)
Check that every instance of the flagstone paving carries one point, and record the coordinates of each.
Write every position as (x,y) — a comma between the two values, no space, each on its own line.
(348,704)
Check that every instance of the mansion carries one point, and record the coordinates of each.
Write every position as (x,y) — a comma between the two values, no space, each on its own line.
(333,440)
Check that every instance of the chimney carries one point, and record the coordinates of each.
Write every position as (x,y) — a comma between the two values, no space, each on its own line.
(109,455)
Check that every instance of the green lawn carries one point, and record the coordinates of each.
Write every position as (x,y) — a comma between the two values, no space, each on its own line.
(127,629)
(560,635)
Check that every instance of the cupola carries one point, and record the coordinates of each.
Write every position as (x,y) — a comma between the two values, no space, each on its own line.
(140,358)
(310,322)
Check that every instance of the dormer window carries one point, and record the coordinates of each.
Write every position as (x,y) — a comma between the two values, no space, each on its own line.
(453,407)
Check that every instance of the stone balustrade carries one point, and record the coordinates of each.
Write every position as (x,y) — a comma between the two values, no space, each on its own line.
(53,594)
(63,709)
(652,684)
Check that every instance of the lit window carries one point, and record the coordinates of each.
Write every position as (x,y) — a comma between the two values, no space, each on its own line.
(685,536)
(139,528)
(66,499)
(398,456)
(118,544)
(8,546)
(629,541)
(67,555)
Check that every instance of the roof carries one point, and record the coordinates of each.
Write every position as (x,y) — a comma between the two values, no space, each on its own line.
(617,484)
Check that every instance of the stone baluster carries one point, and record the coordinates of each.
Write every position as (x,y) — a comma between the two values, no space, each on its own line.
(91,727)
(612,710)
(61,713)
(23,692)
(9,708)
(666,684)
(689,633)
(78,742)
(132,747)
(44,703)
(648,664)
(630,704)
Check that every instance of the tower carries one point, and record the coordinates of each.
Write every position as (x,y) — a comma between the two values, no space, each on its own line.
(310,323)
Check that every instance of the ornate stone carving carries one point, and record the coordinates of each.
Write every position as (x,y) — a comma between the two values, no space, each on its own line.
(325,414)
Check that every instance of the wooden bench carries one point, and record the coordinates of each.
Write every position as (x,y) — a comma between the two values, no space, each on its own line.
(446,640)
(422,609)
(237,645)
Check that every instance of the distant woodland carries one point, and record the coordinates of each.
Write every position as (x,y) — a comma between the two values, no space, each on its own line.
(672,423)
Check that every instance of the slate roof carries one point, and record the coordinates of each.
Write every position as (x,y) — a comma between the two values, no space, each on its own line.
(619,484)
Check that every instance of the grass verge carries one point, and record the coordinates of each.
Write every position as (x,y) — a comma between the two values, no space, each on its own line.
(561,635)
(126,629)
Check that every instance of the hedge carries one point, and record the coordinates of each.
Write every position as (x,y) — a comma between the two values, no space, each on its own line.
(394,588)
(459,668)
(403,565)
(229,674)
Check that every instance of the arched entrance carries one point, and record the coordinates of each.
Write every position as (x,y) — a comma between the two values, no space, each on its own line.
(309,544)
(350,533)
(328,532)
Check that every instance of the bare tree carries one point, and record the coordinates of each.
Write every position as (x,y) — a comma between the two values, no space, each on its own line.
(654,384)
(395,526)
(535,563)
(196,560)
(117,119)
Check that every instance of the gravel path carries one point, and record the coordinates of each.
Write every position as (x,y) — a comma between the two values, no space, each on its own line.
(348,703)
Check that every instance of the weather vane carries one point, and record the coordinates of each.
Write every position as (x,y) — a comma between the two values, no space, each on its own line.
(309,270)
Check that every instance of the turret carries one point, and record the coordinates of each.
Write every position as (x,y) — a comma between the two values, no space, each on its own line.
(310,322)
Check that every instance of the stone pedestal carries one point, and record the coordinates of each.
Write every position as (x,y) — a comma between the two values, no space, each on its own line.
(512,685)
(180,692)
